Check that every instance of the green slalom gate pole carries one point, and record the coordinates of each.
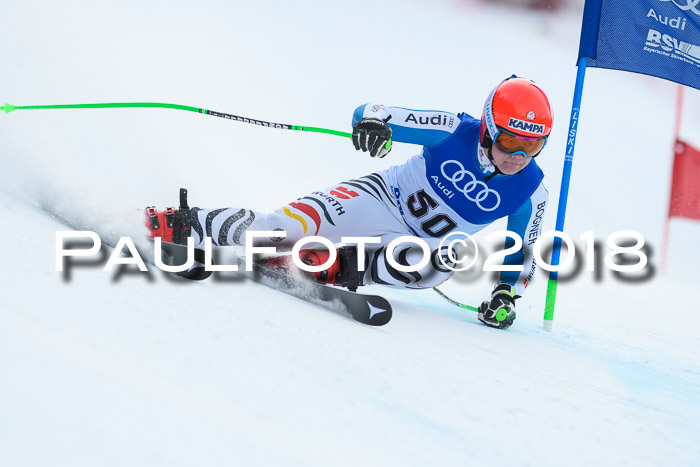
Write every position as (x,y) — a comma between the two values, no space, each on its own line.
(564,194)
(10,108)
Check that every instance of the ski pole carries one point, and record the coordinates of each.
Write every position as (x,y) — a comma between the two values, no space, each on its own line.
(500,315)
(10,108)
(454,302)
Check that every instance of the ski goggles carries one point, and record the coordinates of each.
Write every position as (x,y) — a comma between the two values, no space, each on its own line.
(513,144)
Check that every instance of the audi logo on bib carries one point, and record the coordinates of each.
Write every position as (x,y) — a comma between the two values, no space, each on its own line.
(490,198)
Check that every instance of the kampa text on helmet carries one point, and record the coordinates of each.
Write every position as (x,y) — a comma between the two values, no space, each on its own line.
(516,124)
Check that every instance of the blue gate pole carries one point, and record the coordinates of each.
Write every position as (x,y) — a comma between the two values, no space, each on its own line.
(564,193)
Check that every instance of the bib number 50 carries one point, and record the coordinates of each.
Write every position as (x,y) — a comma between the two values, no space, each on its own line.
(420,204)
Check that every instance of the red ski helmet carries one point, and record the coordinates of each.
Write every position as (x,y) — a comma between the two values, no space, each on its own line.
(519,107)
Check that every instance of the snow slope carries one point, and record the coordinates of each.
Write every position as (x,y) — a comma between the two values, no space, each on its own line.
(140,369)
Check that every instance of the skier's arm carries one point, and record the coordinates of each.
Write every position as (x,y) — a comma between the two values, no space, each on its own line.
(527,223)
(423,127)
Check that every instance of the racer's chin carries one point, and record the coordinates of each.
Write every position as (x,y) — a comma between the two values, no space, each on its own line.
(510,168)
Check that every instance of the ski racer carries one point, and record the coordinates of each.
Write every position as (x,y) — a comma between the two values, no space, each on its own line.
(469,173)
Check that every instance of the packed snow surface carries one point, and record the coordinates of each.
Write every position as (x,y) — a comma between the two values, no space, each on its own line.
(131,368)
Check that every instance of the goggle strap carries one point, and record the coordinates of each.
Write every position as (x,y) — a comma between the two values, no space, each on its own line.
(488,115)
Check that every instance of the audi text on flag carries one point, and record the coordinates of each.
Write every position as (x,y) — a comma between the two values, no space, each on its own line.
(655,37)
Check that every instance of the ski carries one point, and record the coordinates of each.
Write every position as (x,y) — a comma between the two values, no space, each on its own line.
(372,310)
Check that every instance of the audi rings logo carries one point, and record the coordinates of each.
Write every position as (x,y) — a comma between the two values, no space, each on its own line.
(689,5)
(474,190)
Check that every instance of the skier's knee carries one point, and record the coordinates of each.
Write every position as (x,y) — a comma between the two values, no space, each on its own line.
(438,269)
(435,271)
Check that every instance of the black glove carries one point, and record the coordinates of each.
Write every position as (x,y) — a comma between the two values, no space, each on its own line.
(373,135)
(500,311)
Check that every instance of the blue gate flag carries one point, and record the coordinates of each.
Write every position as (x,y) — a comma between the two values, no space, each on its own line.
(654,37)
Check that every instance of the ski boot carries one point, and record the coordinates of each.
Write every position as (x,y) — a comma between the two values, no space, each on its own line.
(343,272)
(173,226)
